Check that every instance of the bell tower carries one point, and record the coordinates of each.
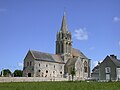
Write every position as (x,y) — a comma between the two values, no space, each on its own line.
(64,41)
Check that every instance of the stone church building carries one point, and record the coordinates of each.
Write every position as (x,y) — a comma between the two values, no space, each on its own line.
(40,64)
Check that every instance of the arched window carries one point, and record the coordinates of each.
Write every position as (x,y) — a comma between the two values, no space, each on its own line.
(38,70)
(60,72)
(62,35)
(66,43)
(62,47)
(69,43)
(85,67)
(46,71)
(30,63)
(27,63)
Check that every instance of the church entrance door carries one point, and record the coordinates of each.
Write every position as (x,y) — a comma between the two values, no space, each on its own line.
(29,74)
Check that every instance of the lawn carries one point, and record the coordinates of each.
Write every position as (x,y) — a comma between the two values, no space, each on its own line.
(60,86)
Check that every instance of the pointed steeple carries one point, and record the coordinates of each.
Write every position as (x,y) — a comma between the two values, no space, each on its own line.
(64,27)
(64,41)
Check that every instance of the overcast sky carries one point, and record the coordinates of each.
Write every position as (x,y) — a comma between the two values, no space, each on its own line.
(33,24)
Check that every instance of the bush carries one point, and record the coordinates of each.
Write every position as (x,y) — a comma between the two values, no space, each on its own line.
(18,73)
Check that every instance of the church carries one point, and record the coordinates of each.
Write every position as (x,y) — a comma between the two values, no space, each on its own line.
(67,58)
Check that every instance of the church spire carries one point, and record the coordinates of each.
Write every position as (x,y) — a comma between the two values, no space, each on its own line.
(64,41)
(64,27)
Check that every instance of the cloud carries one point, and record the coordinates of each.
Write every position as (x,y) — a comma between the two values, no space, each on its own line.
(3,9)
(95,63)
(91,48)
(20,64)
(81,34)
(116,19)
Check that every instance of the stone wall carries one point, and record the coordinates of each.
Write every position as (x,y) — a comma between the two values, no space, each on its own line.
(30,79)
(43,69)
(48,69)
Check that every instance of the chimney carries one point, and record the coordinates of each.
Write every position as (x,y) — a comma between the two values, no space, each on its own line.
(113,56)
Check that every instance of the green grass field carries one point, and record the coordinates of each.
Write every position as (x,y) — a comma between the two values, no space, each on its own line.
(60,86)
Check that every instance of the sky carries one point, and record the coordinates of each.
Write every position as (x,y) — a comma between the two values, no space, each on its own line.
(33,24)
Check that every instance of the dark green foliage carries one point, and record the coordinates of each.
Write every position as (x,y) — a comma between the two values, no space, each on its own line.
(6,72)
(0,73)
(72,73)
(60,86)
(18,73)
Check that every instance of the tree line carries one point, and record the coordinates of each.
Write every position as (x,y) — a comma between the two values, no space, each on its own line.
(8,73)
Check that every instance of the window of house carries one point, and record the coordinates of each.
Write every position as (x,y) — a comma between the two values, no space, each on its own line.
(107,70)
(39,64)
(46,65)
(54,66)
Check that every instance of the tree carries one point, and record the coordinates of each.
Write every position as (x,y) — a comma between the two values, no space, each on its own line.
(18,73)
(72,73)
(1,74)
(6,73)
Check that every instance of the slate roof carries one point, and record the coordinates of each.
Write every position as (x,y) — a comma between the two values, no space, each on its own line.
(76,52)
(46,56)
(72,61)
(55,57)
(116,61)
(95,68)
